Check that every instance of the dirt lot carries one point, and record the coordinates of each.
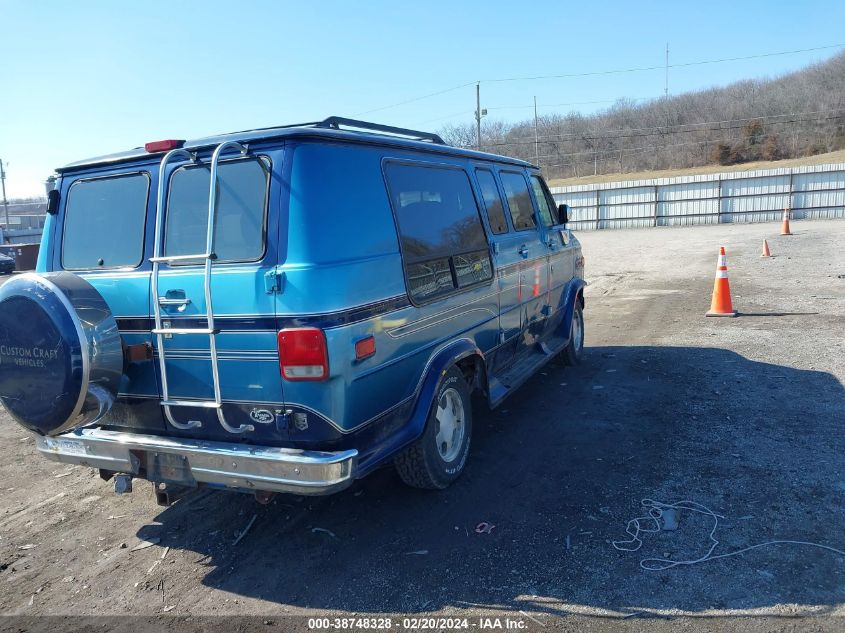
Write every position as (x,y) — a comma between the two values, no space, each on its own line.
(742,415)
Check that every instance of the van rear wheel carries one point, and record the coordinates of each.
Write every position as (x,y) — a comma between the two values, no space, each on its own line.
(438,458)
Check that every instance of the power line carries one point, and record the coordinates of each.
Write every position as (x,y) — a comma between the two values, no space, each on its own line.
(539,105)
(662,130)
(556,105)
(448,116)
(602,72)
(634,150)
(428,96)
(663,66)
(753,118)
(658,132)
(595,153)
(606,150)
(638,150)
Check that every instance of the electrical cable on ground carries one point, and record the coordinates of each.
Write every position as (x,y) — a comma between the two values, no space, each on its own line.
(655,510)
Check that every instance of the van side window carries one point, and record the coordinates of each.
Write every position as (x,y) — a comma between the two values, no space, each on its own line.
(241,210)
(443,241)
(492,200)
(519,200)
(104,222)
(546,212)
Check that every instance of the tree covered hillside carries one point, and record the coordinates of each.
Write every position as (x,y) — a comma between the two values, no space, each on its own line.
(799,114)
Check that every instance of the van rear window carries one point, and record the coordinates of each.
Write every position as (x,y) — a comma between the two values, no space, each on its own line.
(443,240)
(104,222)
(241,210)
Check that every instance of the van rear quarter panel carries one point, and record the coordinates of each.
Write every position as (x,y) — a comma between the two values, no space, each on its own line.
(341,252)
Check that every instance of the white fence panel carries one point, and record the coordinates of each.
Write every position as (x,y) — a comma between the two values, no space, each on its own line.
(812,191)
(688,203)
(819,195)
(627,208)
(582,209)
(760,199)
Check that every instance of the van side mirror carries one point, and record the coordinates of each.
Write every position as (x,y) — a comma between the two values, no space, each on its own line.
(562,213)
(53,202)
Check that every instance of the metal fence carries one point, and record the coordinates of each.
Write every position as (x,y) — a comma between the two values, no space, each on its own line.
(812,191)
(26,221)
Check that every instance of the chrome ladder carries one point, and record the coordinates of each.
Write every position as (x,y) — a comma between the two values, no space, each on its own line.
(208,256)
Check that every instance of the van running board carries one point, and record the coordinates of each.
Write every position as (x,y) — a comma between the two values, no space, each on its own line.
(522,370)
(159,331)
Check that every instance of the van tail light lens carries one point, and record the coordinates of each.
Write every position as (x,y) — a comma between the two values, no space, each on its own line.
(303,354)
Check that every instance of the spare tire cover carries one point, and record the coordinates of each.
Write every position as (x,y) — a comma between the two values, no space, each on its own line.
(61,357)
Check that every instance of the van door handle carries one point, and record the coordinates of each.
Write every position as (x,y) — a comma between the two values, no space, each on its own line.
(552,244)
(523,250)
(164,301)
(175,297)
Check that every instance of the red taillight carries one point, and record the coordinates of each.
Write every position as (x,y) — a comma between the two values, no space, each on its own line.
(303,354)
(365,348)
(163,146)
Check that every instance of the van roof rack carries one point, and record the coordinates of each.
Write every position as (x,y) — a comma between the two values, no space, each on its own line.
(335,122)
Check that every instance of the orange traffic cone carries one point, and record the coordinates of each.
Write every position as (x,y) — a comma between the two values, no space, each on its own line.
(766,252)
(720,305)
(784,227)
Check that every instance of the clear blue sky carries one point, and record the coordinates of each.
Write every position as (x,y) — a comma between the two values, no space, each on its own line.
(91,77)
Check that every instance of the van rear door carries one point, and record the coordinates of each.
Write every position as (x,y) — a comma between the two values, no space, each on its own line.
(242,287)
(99,234)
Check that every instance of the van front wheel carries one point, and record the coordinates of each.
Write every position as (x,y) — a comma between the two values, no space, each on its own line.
(438,458)
(575,349)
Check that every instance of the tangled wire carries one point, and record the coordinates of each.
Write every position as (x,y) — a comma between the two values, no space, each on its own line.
(650,523)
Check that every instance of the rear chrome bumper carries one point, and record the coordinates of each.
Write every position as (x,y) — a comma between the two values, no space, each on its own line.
(192,462)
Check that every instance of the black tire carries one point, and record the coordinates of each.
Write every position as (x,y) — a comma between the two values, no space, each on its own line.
(423,464)
(574,350)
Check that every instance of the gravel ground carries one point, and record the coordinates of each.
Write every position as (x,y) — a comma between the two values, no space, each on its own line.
(742,415)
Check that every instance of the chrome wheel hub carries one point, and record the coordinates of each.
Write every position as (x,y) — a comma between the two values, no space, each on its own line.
(450,424)
(578,331)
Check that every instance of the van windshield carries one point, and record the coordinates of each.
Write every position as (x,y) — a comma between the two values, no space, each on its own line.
(104,222)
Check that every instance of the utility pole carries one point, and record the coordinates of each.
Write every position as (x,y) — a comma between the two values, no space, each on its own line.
(5,202)
(478,116)
(536,137)
(666,82)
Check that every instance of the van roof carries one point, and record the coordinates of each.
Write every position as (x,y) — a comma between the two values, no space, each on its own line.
(332,128)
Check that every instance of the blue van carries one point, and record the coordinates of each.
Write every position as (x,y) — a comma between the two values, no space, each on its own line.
(286,309)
